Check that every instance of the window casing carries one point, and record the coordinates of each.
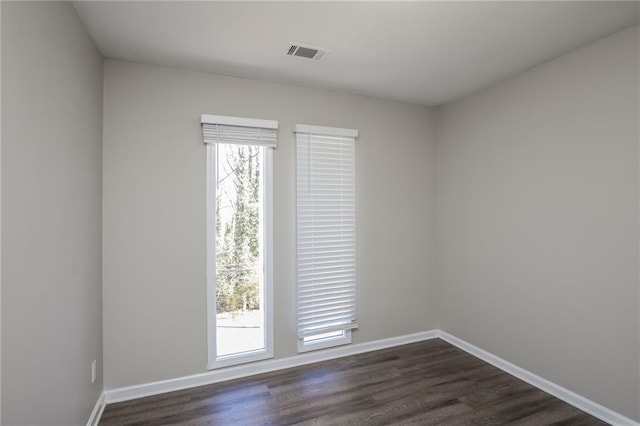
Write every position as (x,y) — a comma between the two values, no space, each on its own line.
(326,236)
(222,132)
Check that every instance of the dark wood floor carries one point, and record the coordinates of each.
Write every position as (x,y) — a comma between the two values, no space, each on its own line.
(426,383)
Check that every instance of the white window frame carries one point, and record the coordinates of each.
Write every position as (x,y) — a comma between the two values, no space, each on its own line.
(307,343)
(267,168)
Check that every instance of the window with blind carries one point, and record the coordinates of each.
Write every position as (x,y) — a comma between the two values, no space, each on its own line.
(239,238)
(326,236)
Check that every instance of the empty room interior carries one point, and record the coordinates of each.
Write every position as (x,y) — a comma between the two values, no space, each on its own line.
(320,213)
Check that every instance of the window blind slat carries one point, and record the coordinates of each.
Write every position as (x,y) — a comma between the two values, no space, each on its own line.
(309,262)
(327,327)
(339,313)
(333,287)
(314,321)
(343,308)
(327,324)
(329,299)
(338,266)
(335,271)
(335,284)
(328,275)
(326,232)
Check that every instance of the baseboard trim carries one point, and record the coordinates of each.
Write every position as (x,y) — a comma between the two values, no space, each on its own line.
(215,376)
(570,397)
(259,367)
(94,419)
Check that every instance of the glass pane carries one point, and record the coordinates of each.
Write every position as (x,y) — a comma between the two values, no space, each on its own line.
(324,336)
(239,250)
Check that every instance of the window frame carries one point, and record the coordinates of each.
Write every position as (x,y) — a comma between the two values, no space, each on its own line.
(213,360)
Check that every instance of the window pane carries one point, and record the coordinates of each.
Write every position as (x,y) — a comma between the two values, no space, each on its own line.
(325,336)
(239,249)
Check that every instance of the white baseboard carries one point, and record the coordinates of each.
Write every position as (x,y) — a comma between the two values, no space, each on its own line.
(230,373)
(259,367)
(94,419)
(570,397)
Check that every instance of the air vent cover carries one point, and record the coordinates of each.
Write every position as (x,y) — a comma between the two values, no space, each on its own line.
(309,52)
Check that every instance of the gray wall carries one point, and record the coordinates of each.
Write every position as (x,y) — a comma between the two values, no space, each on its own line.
(154,212)
(538,221)
(51,215)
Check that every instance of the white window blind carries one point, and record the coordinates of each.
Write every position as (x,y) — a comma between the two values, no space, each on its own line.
(238,130)
(326,229)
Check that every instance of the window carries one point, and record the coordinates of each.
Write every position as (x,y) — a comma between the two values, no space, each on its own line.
(326,236)
(239,238)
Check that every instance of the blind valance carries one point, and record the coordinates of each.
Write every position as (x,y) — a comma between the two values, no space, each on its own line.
(239,130)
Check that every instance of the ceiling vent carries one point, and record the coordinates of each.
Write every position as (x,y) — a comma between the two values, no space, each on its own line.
(296,49)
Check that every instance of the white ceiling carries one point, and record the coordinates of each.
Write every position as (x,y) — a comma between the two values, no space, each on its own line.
(421,52)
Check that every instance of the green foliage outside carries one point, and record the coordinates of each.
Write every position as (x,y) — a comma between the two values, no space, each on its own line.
(237,244)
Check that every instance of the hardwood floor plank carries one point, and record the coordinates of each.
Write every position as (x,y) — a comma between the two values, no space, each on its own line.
(430,382)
